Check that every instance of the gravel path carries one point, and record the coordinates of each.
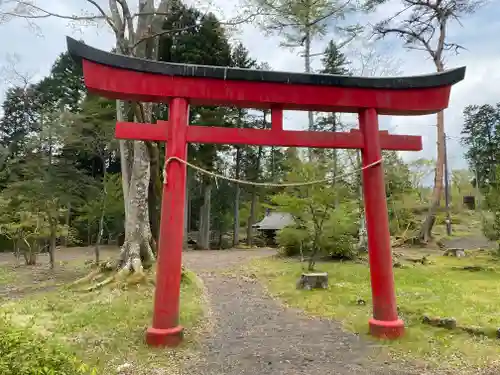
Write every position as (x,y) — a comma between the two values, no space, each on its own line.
(253,334)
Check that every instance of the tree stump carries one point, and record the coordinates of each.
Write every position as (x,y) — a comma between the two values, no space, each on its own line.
(456,252)
(448,323)
(310,281)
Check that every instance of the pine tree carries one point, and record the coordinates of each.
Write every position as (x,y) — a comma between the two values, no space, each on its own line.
(239,58)
(203,42)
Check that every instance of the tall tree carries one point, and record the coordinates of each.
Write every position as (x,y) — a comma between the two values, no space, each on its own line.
(333,62)
(481,136)
(91,132)
(239,58)
(19,118)
(47,183)
(300,22)
(423,25)
(204,42)
(420,169)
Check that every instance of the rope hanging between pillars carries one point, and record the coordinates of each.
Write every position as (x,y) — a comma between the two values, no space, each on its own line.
(263,184)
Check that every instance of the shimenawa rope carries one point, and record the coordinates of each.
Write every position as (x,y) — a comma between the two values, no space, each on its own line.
(262,184)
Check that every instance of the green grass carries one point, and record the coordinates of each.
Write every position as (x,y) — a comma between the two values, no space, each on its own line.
(473,298)
(7,276)
(106,328)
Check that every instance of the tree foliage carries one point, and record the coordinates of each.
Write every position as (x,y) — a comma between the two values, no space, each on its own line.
(481,136)
(320,227)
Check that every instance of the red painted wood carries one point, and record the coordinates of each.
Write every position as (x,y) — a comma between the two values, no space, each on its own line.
(276,137)
(130,85)
(385,322)
(140,131)
(277,119)
(165,329)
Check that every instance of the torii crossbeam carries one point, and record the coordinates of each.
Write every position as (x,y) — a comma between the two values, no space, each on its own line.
(127,78)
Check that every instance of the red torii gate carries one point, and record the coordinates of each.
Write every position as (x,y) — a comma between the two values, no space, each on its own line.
(127,78)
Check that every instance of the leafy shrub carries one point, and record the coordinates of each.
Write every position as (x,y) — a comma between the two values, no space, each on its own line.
(338,238)
(401,219)
(338,246)
(291,239)
(490,229)
(24,353)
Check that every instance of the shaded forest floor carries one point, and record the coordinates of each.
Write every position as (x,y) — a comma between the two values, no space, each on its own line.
(105,328)
(18,280)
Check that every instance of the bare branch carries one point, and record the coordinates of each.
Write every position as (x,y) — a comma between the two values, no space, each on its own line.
(235,22)
(104,15)
(27,10)
(117,20)
(127,16)
(425,28)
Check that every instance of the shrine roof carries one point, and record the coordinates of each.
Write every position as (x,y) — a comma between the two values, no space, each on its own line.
(80,51)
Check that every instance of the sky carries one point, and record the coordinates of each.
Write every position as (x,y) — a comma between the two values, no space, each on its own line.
(33,49)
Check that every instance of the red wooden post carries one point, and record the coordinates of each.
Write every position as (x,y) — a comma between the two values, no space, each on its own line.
(385,322)
(277,119)
(166,330)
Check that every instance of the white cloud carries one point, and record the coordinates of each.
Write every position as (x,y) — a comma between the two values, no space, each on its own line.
(480,86)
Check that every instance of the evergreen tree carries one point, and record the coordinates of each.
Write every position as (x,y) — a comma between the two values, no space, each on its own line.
(203,41)
(334,61)
(481,136)
(239,58)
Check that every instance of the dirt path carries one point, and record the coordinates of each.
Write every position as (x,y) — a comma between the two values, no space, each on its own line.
(470,242)
(253,334)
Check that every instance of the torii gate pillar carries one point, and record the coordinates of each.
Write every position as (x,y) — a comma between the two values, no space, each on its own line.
(166,330)
(385,322)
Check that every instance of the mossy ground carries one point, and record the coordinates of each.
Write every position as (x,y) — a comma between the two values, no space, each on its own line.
(441,288)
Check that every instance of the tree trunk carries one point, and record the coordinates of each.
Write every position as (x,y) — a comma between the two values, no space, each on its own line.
(100,229)
(187,212)
(30,256)
(253,205)
(97,250)
(307,60)
(154,190)
(362,234)
(15,244)
(426,229)
(335,163)
(68,219)
(137,249)
(251,218)
(427,225)
(236,226)
(125,158)
(89,233)
(53,238)
(204,230)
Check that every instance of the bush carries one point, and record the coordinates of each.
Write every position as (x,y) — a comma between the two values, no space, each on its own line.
(489,229)
(290,240)
(338,238)
(401,219)
(23,353)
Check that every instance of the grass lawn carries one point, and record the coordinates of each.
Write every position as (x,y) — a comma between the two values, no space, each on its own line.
(106,328)
(472,298)
(7,276)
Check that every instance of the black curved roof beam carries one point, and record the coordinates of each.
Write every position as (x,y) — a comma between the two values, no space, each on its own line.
(275,80)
